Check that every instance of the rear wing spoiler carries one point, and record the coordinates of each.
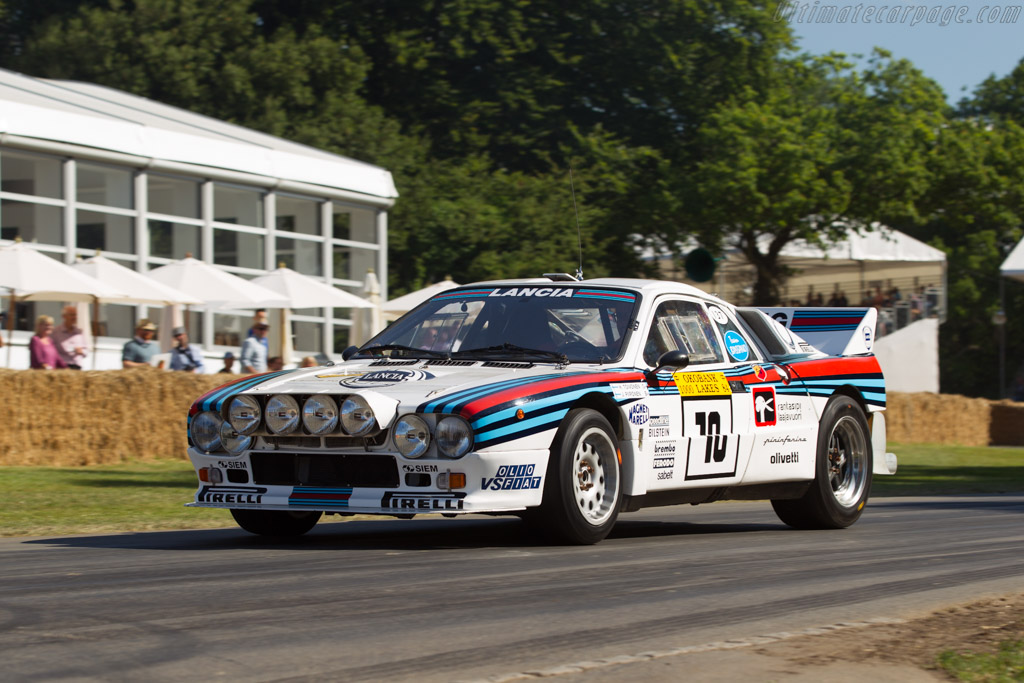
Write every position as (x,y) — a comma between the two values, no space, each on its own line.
(834,331)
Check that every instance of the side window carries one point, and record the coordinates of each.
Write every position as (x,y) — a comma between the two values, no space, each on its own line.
(682,326)
(737,344)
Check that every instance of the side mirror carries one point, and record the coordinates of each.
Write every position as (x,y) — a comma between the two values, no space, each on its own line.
(672,360)
(349,352)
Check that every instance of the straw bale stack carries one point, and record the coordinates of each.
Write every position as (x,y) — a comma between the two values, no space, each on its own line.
(937,418)
(1007,423)
(68,418)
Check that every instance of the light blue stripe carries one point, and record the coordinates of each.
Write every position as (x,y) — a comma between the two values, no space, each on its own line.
(444,404)
(840,381)
(536,405)
(520,426)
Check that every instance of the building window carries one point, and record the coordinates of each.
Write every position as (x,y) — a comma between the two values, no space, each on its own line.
(237,206)
(300,255)
(341,228)
(308,336)
(172,196)
(230,330)
(104,185)
(31,222)
(31,174)
(298,215)
(234,248)
(173,240)
(105,231)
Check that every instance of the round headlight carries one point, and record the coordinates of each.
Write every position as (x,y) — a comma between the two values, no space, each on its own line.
(356,415)
(282,414)
(454,437)
(205,431)
(412,436)
(233,442)
(320,414)
(244,414)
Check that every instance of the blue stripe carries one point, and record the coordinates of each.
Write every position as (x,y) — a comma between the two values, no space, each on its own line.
(220,395)
(522,425)
(561,397)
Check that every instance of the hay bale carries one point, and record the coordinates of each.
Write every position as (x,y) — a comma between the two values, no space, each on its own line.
(937,418)
(1007,423)
(67,418)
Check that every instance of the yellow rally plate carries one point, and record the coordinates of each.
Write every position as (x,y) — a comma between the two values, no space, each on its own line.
(702,384)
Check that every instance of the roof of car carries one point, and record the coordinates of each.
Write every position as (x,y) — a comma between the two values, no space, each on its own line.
(646,286)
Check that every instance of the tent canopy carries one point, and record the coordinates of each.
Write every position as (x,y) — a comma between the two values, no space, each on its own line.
(1013,266)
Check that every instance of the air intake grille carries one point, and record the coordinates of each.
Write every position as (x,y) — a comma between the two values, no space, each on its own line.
(505,364)
(301,469)
(453,363)
(388,361)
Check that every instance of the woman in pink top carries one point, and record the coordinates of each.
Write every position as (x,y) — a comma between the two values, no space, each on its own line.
(42,351)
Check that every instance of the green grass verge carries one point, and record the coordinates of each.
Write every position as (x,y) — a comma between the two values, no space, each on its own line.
(138,496)
(142,496)
(1006,665)
(926,470)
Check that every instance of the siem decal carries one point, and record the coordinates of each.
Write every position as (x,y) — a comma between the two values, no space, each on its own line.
(419,468)
(764,406)
(736,346)
(702,384)
(639,414)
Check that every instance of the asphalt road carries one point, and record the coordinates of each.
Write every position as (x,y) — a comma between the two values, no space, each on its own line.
(434,599)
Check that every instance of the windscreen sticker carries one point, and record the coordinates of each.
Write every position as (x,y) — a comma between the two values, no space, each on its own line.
(702,384)
(718,315)
(737,348)
(550,292)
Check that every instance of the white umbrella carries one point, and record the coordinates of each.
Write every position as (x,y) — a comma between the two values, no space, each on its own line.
(29,275)
(303,291)
(139,288)
(215,287)
(407,302)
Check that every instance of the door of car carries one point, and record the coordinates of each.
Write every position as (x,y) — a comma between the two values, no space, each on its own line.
(696,421)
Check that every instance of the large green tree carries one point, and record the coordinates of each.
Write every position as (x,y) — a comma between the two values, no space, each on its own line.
(826,150)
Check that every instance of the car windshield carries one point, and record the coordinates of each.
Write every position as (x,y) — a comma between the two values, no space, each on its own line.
(539,323)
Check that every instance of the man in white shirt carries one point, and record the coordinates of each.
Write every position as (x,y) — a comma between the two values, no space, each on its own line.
(254,352)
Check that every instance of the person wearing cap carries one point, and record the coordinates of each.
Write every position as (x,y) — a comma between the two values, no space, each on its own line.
(254,351)
(259,318)
(185,356)
(138,351)
(229,363)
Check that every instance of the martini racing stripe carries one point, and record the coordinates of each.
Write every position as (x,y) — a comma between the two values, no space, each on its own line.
(464,293)
(213,399)
(445,404)
(541,388)
(315,496)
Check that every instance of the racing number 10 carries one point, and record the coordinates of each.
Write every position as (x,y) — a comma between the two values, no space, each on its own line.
(710,424)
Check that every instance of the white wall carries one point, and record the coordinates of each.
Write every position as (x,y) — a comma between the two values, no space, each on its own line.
(910,357)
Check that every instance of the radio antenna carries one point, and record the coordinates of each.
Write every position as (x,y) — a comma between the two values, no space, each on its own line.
(579,231)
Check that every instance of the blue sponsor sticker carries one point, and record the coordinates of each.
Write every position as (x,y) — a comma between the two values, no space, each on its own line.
(738,348)
(639,414)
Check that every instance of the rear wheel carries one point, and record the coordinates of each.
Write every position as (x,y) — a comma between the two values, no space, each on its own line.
(281,523)
(583,490)
(842,479)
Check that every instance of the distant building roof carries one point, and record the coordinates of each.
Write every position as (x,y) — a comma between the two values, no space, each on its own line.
(94,116)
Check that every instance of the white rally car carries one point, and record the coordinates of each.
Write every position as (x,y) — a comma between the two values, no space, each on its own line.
(565,402)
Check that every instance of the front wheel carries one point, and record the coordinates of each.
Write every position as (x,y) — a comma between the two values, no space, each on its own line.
(583,490)
(282,523)
(842,478)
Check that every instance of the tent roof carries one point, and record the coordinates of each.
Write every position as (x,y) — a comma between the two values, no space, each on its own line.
(1013,266)
(881,244)
(103,118)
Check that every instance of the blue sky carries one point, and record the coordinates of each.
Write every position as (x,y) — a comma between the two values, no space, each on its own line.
(960,53)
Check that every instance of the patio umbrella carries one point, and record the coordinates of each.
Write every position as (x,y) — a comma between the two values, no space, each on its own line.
(302,291)
(215,287)
(29,275)
(143,290)
(407,302)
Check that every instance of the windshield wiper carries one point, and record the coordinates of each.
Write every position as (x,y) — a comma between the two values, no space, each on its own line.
(409,351)
(507,348)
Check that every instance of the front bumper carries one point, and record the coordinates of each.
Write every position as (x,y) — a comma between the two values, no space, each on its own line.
(503,481)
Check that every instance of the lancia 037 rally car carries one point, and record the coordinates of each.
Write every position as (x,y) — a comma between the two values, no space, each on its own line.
(563,401)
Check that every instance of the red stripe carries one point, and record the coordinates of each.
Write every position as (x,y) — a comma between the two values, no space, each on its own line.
(837,366)
(543,386)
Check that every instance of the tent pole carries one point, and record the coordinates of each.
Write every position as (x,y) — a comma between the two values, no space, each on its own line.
(95,324)
(10,327)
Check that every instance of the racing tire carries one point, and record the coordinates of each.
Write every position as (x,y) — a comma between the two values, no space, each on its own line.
(842,481)
(583,488)
(280,523)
